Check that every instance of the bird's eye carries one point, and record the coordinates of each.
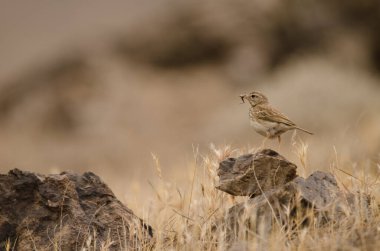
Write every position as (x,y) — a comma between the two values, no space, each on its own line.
(253,96)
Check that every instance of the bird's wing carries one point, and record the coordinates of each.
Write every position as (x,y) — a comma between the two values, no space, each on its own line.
(269,114)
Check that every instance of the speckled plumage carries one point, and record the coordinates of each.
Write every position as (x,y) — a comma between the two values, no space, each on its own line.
(266,120)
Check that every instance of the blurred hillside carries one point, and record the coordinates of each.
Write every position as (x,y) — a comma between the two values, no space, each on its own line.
(100,87)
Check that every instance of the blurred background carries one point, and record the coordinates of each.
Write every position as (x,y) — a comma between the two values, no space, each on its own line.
(101,86)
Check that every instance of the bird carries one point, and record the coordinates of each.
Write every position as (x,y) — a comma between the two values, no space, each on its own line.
(266,120)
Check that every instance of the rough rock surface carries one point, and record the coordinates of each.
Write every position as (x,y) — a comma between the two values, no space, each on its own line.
(250,174)
(318,192)
(65,212)
(291,203)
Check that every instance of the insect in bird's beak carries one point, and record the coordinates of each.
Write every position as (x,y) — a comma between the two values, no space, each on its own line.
(242,98)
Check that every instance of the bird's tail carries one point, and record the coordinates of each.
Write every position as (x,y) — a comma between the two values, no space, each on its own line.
(299,128)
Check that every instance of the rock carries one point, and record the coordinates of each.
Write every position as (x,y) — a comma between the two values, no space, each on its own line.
(66,212)
(279,198)
(314,201)
(319,189)
(250,174)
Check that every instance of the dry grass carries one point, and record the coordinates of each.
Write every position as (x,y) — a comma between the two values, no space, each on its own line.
(192,216)
(193,219)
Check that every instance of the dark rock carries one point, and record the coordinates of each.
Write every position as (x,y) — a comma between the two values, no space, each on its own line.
(251,174)
(281,199)
(66,212)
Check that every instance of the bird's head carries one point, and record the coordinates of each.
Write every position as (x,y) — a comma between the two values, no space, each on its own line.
(254,98)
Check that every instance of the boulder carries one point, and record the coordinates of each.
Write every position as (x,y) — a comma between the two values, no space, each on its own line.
(66,212)
(251,174)
(316,198)
(279,198)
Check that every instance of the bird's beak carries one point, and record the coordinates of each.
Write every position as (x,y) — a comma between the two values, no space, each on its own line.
(242,98)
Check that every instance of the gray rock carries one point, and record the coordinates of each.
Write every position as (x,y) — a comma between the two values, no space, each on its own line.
(319,189)
(314,201)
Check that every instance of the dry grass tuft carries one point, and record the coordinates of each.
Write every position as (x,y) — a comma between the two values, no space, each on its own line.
(194,219)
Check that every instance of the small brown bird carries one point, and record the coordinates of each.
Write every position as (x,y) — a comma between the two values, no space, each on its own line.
(266,120)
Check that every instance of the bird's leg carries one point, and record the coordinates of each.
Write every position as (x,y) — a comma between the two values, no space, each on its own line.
(263,143)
